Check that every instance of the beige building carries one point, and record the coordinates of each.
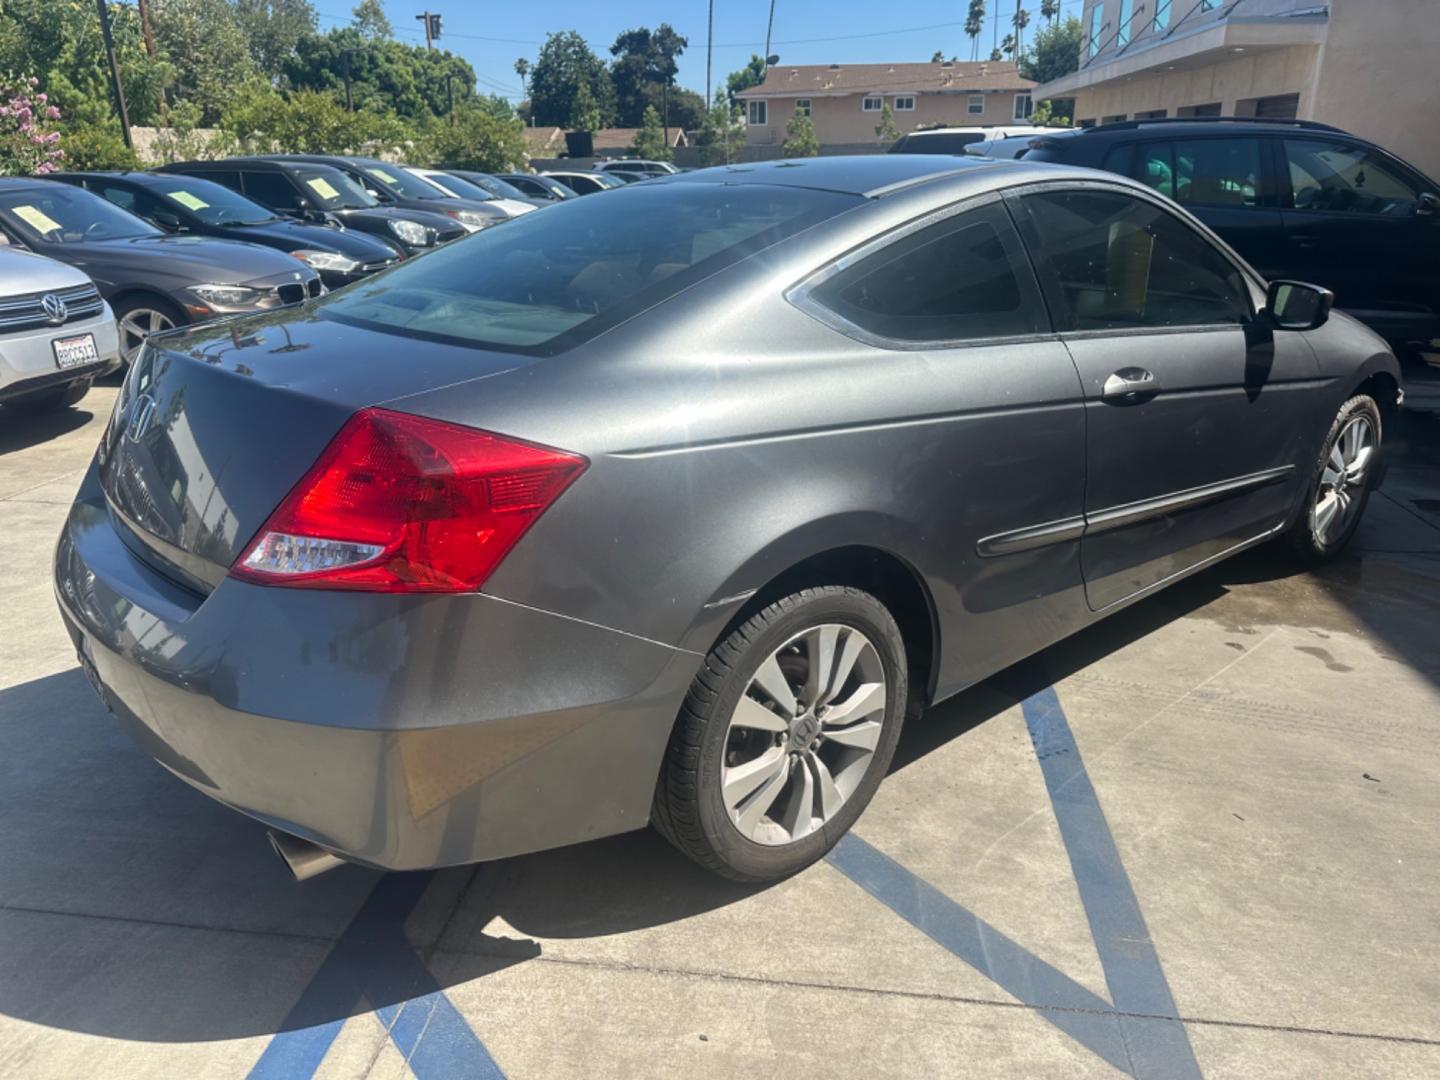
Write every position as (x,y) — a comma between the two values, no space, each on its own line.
(845,102)
(1367,66)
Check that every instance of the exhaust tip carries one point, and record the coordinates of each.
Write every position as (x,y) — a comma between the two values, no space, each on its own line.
(305,860)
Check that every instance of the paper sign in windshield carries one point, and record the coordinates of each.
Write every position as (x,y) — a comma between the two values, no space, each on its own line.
(190,202)
(381,174)
(37,219)
(323,187)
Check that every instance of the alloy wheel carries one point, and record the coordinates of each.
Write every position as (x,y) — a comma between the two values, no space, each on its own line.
(803,734)
(138,324)
(1342,481)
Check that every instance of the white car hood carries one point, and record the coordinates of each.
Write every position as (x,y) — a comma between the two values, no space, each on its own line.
(22,272)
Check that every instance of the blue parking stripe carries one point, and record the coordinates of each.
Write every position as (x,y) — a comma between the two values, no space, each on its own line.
(373,960)
(1132,967)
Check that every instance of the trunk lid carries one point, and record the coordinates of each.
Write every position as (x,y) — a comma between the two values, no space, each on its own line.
(215,425)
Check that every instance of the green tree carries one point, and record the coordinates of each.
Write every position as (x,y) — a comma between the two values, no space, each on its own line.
(800,140)
(370,19)
(650,139)
(271,29)
(385,76)
(565,64)
(644,62)
(722,133)
(478,137)
(585,112)
(752,74)
(1055,51)
(886,132)
(206,50)
(306,122)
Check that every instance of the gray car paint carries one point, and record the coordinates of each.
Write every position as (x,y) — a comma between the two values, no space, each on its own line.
(731,437)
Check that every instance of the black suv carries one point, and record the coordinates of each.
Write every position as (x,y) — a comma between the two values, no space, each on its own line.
(1297,199)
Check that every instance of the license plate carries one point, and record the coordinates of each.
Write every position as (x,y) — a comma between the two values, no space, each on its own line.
(74,351)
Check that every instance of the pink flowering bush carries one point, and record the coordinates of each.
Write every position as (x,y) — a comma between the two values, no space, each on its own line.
(29,141)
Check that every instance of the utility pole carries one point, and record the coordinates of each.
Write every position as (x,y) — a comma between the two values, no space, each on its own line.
(345,55)
(114,73)
(432,28)
(769,25)
(145,28)
(709,44)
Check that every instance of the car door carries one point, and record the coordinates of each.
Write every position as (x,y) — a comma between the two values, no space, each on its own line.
(1198,415)
(992,419)
(1356,222)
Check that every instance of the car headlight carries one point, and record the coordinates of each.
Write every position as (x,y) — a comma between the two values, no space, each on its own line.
(410,232)
(327,260)
(470,219)
(226,295)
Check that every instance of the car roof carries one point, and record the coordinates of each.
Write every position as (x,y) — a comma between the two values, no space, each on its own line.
(868,174)
(1193,125)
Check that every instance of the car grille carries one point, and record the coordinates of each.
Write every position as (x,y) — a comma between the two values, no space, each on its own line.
(291,294)
(27,312)
(315,286)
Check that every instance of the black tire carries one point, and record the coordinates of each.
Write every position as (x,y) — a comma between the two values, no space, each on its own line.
(52,400)
(1303,538)
(688,809)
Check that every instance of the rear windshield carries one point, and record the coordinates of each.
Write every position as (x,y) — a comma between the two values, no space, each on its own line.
(543,282)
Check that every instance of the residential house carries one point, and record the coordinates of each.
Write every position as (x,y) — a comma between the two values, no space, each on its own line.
(1367,66)
(845,101)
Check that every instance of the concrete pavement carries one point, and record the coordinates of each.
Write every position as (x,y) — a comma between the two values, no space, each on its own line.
(1202,838)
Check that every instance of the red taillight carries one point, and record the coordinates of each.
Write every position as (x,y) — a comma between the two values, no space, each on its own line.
(399,503)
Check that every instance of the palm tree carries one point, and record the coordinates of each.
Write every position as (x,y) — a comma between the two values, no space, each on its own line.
(974,24)
(1007,46)
(1050,9)
(522,68)
(1020,21)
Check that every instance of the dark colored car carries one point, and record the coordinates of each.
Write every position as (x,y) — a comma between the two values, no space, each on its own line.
(498,188)
(393,185)
(319,193)
(1297,199)
(539,186)
(631,177)
(198,207)
(669,506)
(152,281)
(586,183)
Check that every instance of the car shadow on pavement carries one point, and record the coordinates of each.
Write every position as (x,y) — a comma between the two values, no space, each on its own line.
(20,430)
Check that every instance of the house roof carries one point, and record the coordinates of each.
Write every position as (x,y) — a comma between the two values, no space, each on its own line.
(827,80)
(624,138)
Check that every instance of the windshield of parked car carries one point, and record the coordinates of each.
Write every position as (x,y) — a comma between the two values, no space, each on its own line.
(546,281)
(495,186)
(458,185)
(331,189)
(59,214)
(212,203)
(404,181)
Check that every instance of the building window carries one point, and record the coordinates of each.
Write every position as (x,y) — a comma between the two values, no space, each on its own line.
(1212,109)
(904,104)
(1151,114)
(1023,107)
(976,104)
(1209,5)
(759,114)
(1092,45)
(872,104)
(802,106)
(1162,15)
(1122,35)
(1118,118)
(1085,123)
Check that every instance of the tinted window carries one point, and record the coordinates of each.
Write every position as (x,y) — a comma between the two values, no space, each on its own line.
(950,142)
(60,214)
(212,203)
(407,184)
(965,277)
(1117,261)
(273,190)
(1217,172)
(545,281)
(332,189)
(1327,175)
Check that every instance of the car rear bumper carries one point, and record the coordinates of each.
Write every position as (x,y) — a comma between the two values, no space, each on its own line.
(27,360)
(400,732)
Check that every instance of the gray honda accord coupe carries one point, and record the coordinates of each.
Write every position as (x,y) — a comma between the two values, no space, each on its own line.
(670,507)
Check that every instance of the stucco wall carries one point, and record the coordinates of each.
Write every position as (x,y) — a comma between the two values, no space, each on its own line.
(841,119)
(1379,77)
(1263,74)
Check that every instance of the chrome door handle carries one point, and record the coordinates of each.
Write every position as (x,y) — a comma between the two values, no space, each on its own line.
(1128,384)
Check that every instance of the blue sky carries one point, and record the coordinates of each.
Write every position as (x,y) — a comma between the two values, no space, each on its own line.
(492,35)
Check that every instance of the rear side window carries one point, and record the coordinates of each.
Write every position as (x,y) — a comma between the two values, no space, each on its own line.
(272,190)
(966,277)
(1202,172)
(1336,176)
(1115,261)
(546,281)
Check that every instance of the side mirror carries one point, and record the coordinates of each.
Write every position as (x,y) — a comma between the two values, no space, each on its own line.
(1294,305)
(166,220)
(1427,204)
